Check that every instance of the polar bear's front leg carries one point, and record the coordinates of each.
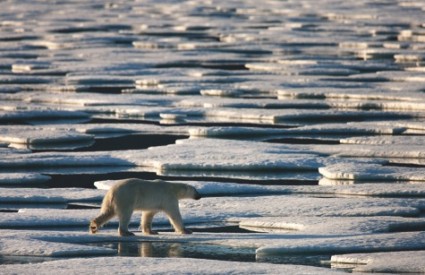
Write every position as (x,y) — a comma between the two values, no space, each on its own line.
(176,221)
(146,223)
(124,217)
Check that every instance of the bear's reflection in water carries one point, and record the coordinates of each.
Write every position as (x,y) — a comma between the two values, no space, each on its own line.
(214,252)
(183,250)
(149,249)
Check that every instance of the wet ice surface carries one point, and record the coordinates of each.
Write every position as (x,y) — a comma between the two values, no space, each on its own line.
(302,126)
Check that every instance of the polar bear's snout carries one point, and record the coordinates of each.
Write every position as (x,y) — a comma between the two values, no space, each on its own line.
(197,196)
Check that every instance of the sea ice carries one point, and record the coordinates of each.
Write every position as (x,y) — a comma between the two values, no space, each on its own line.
(347,244)
(359,172)
(329,226)
(382,262)
(44,195)
(219,209)
(37,135)
(134,265)
(33,247)
(22,178)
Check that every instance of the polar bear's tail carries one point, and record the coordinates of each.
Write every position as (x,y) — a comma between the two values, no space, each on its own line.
(106,213)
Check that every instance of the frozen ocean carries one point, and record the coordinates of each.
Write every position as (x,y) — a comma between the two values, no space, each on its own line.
(300,122)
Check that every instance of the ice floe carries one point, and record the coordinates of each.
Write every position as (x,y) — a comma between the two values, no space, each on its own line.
(326,226)
(131,265)
(22,178)
(381,262)
(360,172)
(220,209)
(43,195)
(354,244)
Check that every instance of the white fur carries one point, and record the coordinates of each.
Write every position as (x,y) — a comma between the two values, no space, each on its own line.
(149,197)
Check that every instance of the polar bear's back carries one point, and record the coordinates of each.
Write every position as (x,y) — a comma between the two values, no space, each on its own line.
(143,194)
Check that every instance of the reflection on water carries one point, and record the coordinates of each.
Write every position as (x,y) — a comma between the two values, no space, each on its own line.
(181,250)
(209,251)
(148,249)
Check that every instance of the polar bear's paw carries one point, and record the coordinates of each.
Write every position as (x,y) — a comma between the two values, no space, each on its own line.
(93,227)
(125,233)
(185,231)
(149,232)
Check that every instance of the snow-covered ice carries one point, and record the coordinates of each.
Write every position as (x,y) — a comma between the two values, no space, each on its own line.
(382,262)
(303,123)
(132,265)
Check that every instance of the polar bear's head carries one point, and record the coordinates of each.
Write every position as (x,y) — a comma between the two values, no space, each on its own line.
(189,192)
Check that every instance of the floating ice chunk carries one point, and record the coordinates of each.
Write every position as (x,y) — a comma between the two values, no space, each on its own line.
(29,66)
(347,244)
(355,45)
(402,151)
(356,94)
(290,115)
(98,79)
(217,188)
(384,140)
(22,178)
(315,130)
(135,265)
(40,114)
(330,225)
(301,177)
(31,247)
(207,154)
(105,184)
(382,262)
(221,93)
(63,159)
(300,206)
(53,195)
(41,136)
(33,218)
(360,172)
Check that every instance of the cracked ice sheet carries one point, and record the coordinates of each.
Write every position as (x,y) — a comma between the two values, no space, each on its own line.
(63,159)
(41,114)
(386,140)
(358,128)
(207,154)
(382,262)
(37,135)
(370,171)
(22,179)
(298,115)
(217,188)
(399,151)
(32,247)
(356,94)
(60,133)
(147,265)
(193,154)
(330,226)
(222,209)
(52,195)
(89,99)
(346,244)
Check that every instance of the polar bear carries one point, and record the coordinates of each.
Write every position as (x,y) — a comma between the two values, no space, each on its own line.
(148,196)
